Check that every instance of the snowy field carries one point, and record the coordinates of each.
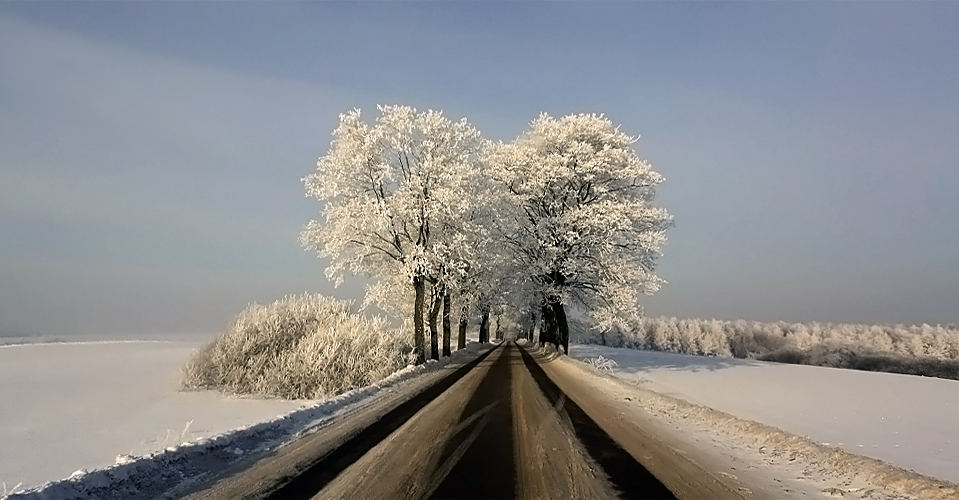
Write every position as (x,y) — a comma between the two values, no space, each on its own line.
(904,420)
(71,406)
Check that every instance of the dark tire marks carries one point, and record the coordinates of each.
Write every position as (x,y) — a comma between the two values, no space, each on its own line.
(318,475)
(485,469)
(627,475)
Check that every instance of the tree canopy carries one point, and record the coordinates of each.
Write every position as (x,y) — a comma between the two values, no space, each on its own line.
(388,188)
(581,224)
(561,216)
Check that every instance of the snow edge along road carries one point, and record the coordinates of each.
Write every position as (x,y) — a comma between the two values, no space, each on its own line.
(789,456)
(172,472)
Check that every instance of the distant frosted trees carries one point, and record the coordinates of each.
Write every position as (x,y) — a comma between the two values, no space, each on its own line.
(931,351)
(562,216)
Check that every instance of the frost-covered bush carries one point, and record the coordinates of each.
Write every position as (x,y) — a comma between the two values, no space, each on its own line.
(300,347)
(916,349)
(601,363)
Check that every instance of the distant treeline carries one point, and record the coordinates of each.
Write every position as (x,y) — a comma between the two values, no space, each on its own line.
(927,350)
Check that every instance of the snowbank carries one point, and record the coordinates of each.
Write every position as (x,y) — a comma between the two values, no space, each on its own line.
(905,420)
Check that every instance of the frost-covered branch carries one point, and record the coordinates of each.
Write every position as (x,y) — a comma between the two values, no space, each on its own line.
(580,218)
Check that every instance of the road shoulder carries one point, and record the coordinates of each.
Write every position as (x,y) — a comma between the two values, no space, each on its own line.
(757,460)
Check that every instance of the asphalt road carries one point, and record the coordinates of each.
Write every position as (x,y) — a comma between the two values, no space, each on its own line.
(505,426)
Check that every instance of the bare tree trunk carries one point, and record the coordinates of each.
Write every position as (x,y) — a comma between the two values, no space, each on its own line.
(446,324)
(464,322)
(419,337)
(436,299)
(532,323)
(547,331)
(563,339)
(499,323)
(559,328)
(484,325)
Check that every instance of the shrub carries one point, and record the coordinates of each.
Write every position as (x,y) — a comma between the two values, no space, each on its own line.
(300,347)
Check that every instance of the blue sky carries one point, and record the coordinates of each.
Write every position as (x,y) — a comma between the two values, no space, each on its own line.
(151,153)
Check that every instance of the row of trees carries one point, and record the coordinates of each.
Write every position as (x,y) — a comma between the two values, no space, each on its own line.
(560,217)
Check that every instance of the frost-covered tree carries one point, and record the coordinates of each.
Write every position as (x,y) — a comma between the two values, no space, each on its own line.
(469,265)
(581,225)
(388,190)
(480,262)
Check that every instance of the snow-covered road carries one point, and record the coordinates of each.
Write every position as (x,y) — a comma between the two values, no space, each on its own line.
(904,420)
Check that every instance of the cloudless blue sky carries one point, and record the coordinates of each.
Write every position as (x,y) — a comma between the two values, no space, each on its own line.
(151,152)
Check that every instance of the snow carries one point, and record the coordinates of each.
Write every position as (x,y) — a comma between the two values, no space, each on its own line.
(904,420)
(68,406)
(105,419)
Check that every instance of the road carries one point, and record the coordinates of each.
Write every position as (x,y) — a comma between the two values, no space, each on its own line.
(508,425)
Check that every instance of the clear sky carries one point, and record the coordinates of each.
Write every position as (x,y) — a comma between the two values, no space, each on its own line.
(151,153)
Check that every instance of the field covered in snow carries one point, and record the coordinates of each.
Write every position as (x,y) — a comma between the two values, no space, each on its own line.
(71,406)
(905,420)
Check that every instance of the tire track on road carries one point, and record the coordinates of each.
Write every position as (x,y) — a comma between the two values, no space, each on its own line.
(628,476)
(312,480)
